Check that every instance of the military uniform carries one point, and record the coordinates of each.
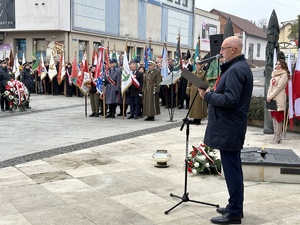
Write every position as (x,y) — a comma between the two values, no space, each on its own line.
(199,108)
(112,83)
(151,90)
(5,76)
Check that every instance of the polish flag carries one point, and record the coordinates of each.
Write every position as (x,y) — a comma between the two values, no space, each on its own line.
(290,92)
(296,87)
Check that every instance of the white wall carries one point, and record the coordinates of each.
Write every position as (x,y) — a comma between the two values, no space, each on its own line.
(32,15)
(254,40)
(205,26)
(178,21)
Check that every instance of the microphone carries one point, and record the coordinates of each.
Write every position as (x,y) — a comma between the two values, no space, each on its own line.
(218,56)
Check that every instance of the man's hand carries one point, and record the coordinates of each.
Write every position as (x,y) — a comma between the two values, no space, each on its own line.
(203,92)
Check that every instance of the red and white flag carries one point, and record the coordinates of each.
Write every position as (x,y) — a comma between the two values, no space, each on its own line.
(290,91)
(62,69)
(296,87)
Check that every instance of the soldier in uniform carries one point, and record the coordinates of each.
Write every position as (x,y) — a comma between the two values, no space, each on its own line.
(151,90)
(94,95)
(198,110)
(112,82)
(5,76)
(26,77)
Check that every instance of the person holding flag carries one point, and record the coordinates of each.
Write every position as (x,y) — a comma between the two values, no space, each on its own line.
(69,89)
(135,91)
(112,82)
(94,95)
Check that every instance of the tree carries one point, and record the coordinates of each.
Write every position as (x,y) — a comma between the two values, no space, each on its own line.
(294,30)
(262,23)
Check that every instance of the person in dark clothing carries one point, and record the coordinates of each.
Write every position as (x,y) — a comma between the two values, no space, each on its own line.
(94,96)
(182,86)
(112,82)
(55,82)
(227,123)
(135,92)
(26,77)
(47,80)
(69,89)
(5,76)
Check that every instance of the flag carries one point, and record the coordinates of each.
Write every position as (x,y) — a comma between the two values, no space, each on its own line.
(134,53)
(95,57)
(52,72)
(126,75)
(83,80)
(114,56)
(74,73)
(16,67)
(11,59)
(23,59)
(274,58)
(149,52)
(164,65)
(42,68)
(177,60)
(62,69)
(101,73)
(36,61)
(296,87)
(197,53)
(146,57)
(290,92)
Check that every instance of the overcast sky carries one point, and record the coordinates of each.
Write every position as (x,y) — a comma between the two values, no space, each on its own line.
(254,9)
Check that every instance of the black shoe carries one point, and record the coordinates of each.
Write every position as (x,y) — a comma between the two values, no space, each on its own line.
(2,110)
(196,121)
(180,107)
(113,116)
(128,113)
(150,118)
(93,114)
(227,218)
(108,116)
(223,211)
(130,117)
(28,107)
(96,115)
(136,117)
(120,114)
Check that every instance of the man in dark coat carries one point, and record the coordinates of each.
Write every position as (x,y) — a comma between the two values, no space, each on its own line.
(26,77)
(5,76)
(135,91)
(182,86)
(112,83)
(227,123)
(69,89)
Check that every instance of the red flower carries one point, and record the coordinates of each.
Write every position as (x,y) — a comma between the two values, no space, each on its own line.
(7,87)
(194,154)
(189,169)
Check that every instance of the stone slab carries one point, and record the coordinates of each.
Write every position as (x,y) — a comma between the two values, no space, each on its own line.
(274,157)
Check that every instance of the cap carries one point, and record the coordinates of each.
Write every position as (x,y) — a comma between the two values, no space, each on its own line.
(112,61)
(151,62)
(3,62)
(26,64)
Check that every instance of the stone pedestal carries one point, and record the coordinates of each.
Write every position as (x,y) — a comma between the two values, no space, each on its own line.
(278,165)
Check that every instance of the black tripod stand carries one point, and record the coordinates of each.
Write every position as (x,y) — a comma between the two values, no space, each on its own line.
(185,196)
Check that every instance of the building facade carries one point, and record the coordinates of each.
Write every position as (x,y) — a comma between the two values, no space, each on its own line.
(78,26)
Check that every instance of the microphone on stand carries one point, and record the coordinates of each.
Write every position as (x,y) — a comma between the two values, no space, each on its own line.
(218,56)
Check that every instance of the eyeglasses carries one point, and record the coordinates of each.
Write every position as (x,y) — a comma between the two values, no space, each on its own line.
(223,48)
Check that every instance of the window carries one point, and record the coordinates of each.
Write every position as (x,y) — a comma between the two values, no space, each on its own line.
(81,49)
(39,45)
(177,1)
(21,47)
(258,50)
(170,0)
(185,2)
(250,51)
(138,53)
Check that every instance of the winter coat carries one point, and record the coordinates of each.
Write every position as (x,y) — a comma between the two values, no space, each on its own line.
(276,91)
(199,107)
(26,77)
(229,106)
(112,91)
(151,89)
(5,76)
(133,90)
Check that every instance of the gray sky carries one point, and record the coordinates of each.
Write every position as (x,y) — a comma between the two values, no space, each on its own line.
(254,9)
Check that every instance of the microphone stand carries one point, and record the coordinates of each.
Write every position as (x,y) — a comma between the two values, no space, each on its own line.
(185,196)
(171,109)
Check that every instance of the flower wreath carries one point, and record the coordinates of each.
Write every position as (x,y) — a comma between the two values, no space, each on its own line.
(16,94)
(203,160)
